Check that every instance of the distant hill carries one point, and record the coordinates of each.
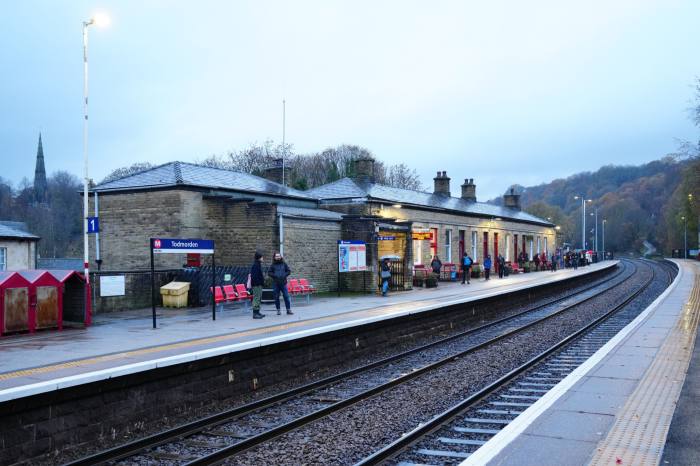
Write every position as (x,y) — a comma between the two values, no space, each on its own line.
(640,203)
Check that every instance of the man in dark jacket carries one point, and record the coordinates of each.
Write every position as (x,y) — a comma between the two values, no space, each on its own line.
(501,266)
(279,271)
(257,280)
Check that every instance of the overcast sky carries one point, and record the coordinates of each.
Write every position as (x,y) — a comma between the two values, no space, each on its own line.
(501,91)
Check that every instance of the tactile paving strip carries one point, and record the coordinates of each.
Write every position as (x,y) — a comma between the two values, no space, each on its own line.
(640,429)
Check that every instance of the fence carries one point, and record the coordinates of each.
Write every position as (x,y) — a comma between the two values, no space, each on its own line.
(201,278)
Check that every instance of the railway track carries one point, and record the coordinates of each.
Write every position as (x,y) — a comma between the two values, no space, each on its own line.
(213,439)
(453,435)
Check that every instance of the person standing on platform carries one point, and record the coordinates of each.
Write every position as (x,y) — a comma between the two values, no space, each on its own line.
(536,259)
(487,267)
(466,268)
(436,265)
(257,280)
(385,274)
(574,260)
(279,271)
(501,266)
(554,262)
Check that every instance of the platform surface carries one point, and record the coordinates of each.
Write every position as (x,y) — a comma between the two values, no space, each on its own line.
(125,342)
(618,406)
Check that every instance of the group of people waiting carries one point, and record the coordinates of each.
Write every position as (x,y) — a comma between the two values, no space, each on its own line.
(278,271)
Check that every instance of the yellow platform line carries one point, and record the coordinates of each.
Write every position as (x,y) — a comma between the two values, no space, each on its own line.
(639,433)
(160,348)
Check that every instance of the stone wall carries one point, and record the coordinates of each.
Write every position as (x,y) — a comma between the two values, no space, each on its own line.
(239,229)
(20,254)
(311,250)
(128,220)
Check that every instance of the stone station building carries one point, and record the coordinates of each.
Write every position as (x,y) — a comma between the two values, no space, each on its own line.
(243,213)
(441,224)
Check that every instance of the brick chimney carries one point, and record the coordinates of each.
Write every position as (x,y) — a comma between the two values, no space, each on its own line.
(274,171)
(442,184)
(469,190)
(511,200)
(364,169)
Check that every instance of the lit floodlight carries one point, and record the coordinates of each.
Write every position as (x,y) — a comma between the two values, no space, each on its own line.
(100,19)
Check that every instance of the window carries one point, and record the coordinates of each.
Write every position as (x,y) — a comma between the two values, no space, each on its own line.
(448,245)
(539,245)
(508,256)
(474,240)
(531,246)
(417,251)
(546,250)
(3,258)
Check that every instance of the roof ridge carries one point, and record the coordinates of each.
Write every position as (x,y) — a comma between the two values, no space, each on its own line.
(137,173)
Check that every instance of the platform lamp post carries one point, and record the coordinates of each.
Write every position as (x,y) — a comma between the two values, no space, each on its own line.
(98,20)
(603,225)
(595,241)
(685,236)
(583,220)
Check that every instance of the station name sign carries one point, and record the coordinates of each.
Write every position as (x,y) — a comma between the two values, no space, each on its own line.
(182,246)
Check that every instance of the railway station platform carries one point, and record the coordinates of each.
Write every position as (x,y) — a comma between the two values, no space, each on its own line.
(125,343)
(634,402)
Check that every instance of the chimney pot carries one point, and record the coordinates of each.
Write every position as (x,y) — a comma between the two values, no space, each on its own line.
(469,190)
(512,200)
(274,171)
(364,169)
(442,184)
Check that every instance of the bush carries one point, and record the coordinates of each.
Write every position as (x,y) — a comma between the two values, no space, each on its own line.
(418,282)
(431,282)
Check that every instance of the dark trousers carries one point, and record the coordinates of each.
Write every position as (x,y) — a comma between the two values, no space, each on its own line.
(465,274)
(487,272)
(500,271)
(276,289)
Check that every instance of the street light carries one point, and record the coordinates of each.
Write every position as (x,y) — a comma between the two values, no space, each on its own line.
(583,220)
(98,19)
(595,242)
(604,222)
(685,236)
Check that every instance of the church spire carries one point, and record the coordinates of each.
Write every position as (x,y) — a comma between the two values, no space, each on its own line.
(40,185)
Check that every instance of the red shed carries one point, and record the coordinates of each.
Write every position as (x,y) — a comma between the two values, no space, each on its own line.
(14,303)
(73,297)
(45,299)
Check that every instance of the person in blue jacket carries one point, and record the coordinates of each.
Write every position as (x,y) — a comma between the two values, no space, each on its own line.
(487,266)
(466,268)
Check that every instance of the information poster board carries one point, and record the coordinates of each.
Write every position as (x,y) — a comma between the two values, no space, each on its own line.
(352,256)
(112,285)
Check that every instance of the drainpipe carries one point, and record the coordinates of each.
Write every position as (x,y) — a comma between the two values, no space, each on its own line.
(98,261)
(281,222)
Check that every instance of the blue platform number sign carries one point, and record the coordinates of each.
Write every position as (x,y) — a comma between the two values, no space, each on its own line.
(93,225)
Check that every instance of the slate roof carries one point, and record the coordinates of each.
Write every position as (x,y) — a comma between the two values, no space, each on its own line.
(15,230)
(310,213)
(347,188)
(187,174)
(60,263)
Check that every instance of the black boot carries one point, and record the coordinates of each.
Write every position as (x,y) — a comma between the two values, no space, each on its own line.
(289,312)
(257,315)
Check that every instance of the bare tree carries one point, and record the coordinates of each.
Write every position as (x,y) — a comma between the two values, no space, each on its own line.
(400,176)
(127,171)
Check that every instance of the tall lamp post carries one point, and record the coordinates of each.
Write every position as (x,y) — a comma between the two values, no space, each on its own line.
(98,20)
(685,236)
(603,222)
(583,220)
(595,240)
